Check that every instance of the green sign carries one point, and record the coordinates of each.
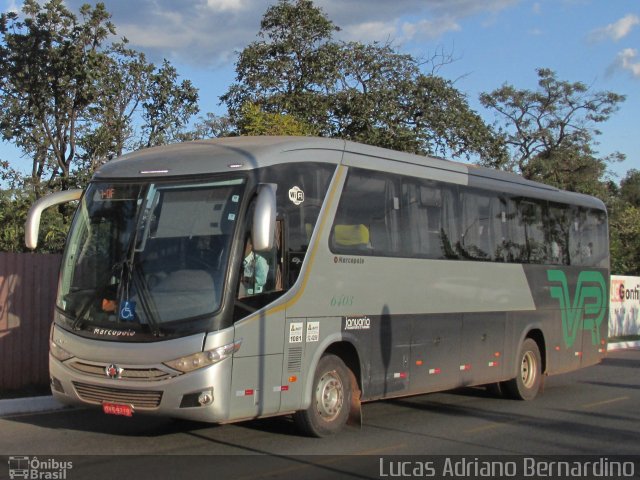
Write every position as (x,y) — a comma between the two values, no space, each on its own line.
(588,308)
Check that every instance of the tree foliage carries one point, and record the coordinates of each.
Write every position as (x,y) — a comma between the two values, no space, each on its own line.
(254,121)
(630,188)
(69,99)
(550,132)
(364,92)
(46,65)
(168,106)
(624,225)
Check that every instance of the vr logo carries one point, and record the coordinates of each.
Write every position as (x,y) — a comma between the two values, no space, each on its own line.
(588,308)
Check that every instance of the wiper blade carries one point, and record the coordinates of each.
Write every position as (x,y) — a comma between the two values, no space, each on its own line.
(147,303)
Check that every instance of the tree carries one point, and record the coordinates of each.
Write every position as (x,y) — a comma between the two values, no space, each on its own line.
(46,66)
(210,126)
(363,92)
(168,106)
(71,101)
(123,85)
(624,225)
(254,121)
(68,98)
(630,188)
(551,132)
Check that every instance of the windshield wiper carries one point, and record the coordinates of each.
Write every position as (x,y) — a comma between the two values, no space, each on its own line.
(146,301)
(131,275)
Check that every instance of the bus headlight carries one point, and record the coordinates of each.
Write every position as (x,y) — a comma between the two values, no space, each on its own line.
(59,353)
(203,359)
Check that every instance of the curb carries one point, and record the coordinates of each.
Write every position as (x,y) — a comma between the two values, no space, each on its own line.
(29,405)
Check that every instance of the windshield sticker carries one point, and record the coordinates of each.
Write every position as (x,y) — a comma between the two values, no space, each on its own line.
(232,217)
(295,332)
(296,195)
(313,331)
(128,310)
(235,198)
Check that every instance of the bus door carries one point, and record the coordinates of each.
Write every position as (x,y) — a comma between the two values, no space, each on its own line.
(435,352)
(257,367)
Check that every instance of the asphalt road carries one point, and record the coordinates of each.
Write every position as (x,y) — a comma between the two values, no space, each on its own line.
(594,411)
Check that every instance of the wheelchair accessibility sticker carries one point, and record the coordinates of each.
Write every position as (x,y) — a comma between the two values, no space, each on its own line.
(128,311)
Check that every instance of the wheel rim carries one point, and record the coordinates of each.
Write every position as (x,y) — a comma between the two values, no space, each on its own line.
(329,396)
(528,369)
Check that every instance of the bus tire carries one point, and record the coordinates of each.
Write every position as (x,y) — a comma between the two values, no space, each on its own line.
(330,399)
(527,382)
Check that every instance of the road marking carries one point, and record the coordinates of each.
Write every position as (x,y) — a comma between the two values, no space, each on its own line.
(604,402)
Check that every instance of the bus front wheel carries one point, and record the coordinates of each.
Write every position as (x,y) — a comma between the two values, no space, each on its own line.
(330,399)
(527,382)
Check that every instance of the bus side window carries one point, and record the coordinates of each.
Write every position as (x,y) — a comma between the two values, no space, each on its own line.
(557,231)
(587,237)
(475,238)
(422,219)
(367,219)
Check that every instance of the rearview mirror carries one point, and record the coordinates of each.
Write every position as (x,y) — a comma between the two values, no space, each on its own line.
(264,218)
(32,225)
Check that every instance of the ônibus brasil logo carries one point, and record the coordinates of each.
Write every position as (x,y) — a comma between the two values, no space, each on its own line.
(588,308)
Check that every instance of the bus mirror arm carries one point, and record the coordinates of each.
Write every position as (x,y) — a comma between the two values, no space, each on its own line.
(32,225)
(264,218)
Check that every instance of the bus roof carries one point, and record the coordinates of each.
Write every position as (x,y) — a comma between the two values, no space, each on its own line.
(247,153)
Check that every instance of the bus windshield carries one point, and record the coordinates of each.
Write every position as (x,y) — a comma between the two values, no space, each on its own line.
(148,258)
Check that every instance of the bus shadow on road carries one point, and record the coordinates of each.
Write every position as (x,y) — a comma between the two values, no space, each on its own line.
(90,420)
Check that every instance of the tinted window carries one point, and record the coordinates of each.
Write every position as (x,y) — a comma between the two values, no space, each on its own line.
(301,192)
(367,221)
(391,215)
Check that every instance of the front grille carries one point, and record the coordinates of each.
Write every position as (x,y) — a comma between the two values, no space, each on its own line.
(138,398)
(139,374)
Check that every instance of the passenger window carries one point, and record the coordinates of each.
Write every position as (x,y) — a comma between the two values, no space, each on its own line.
(557,231)
(587,238)
(422,219)
(368,216)
(477,238)
(530,229)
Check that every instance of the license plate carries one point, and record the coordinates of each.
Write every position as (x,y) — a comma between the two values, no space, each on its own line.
(117,409)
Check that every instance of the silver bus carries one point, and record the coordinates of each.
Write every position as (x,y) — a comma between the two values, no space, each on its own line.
(240,278)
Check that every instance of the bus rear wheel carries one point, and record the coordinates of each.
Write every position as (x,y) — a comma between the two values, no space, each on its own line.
(527,382)
(330,399)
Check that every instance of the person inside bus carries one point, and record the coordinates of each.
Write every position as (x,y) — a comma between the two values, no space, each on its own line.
(254,271)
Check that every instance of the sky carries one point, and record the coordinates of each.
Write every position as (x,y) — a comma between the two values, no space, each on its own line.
(492,42)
